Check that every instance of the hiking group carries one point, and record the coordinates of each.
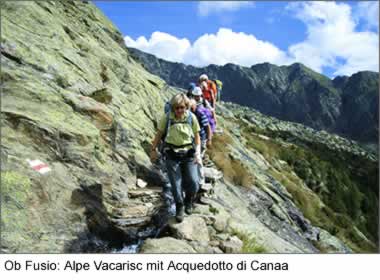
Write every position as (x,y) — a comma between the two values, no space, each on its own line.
(184,134)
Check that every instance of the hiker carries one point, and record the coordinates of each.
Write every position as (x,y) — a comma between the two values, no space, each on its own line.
(179,130)
(205,133)
(210,113)
(198,96)
(190,90)
(219,86)
(205,114)
(208,88)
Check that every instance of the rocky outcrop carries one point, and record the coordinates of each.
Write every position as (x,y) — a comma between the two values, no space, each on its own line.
(166,245)
(193,228)
(73,98)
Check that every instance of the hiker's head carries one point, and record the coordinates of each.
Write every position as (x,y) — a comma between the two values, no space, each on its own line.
(193,105)
(191,87)
(198,99)
(180,103)
(202,78)
(197,94)
(204,85)
(197,91)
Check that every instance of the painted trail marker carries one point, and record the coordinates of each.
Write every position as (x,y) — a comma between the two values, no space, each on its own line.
(39,166)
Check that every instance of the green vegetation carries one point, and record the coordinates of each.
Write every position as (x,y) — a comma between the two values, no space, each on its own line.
(342,189)
(15,188)
(340,184)
(250,245)
(233,169)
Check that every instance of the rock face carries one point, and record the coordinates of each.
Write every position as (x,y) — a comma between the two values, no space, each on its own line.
(73,98)
(78,116)
(344,105)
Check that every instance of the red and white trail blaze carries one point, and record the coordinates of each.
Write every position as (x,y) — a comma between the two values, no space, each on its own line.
(39,166)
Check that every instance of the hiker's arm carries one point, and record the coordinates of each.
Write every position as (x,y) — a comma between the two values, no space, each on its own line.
(209,136)
(214,115)
(197,140)
(156,141)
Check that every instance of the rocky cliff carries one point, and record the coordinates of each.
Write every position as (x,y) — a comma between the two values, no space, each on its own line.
(345,105)
(78,115)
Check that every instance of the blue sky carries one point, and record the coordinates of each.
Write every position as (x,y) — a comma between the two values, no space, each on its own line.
(332,38)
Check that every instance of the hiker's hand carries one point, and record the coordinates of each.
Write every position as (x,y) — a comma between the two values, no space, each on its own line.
(197,156)
(209,144)
(198,159)
(153,155)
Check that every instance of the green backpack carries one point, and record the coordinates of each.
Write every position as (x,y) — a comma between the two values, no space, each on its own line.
(219,86)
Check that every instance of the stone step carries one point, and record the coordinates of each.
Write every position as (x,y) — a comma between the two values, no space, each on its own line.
(131,221)
(212,173)
(206,187)
(145,192)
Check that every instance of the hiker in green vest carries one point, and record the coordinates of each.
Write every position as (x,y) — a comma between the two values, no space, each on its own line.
(179,130)
(219,87)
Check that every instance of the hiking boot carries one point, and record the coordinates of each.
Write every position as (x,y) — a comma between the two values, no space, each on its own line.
(189,209)
(179,213)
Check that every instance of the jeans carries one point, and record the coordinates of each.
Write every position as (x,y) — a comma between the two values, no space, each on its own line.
(201,176)
(183,177)
(166,191)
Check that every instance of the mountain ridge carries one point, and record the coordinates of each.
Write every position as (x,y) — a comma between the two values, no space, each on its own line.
(292,93)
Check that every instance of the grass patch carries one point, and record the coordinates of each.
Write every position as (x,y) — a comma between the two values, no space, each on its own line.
(250,245)
(322,215)
(15,188)
(234,170)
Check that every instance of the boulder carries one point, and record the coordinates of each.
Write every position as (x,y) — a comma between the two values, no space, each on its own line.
(201,247)
(206,187)
(220,223)
(331,244)
(212,174)
(201,209)
(233,245)
(166,245)
(141,183)
(191,228)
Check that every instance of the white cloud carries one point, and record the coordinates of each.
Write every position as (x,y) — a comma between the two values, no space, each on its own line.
(162,45)
(369,12)
(331,38)
(331,41)
(208,7)
(226,46)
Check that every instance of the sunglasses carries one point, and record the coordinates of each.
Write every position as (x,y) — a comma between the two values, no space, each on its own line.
(180,108)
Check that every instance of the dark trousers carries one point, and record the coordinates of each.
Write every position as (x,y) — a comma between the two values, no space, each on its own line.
(183,177)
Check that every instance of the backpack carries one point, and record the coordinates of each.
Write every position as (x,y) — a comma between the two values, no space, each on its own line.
(189,120)
(167,107)
(211,84)
(210,92)
(219,86)
(204,110)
